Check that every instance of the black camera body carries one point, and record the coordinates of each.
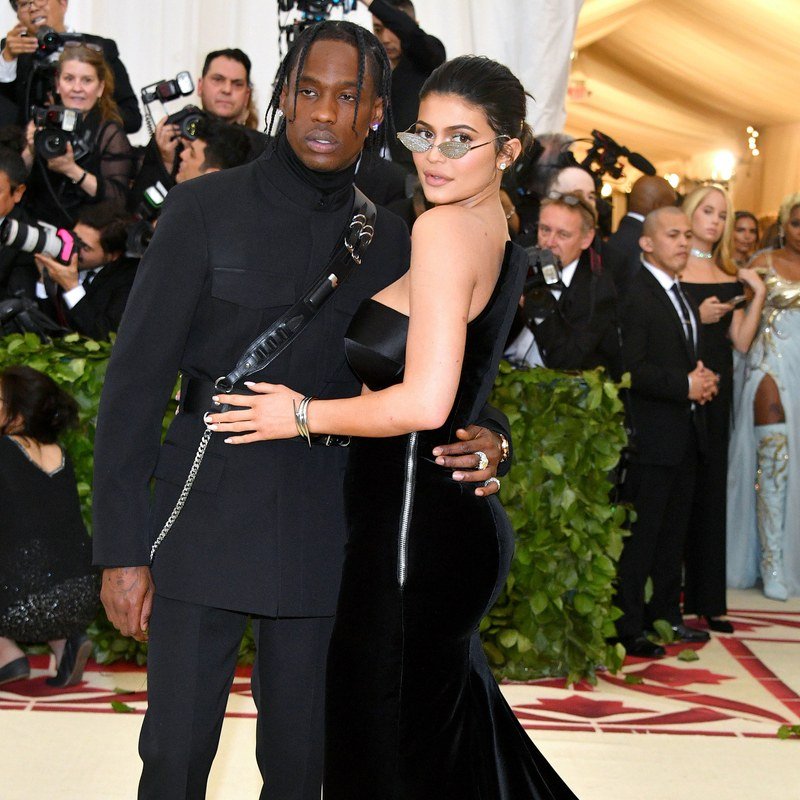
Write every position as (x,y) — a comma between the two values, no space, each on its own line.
(544,277)
(187,120)
(51,41)
(57,126)
(147,212)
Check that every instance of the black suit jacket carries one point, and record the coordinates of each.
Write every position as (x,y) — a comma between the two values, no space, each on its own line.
(581,332)
(656,353)
(621,253)
(16,91)
(100,310)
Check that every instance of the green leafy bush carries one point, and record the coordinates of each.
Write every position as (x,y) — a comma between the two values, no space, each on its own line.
(556,611)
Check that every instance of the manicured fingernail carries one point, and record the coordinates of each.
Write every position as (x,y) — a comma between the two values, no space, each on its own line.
(437,451)
(229,441)
(215,400)
(207,418)
(249,383)
(458,476)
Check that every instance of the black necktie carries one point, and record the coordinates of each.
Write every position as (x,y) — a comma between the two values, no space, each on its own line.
(686,317)
(88,277)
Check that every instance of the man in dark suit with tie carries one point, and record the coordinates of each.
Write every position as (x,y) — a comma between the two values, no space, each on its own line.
(89,294)
(660,336)
(621,250)
(24,76)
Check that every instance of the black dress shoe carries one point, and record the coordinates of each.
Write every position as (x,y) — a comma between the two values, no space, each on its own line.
(77,650)
(17,670)
(642,647)
(686,634)
(719,625)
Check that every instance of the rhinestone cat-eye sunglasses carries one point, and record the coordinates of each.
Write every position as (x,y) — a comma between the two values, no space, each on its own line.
(419,144)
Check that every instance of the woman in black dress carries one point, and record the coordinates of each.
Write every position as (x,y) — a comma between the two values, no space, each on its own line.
(413,711)
(717,287)
(99,166)
(48,591)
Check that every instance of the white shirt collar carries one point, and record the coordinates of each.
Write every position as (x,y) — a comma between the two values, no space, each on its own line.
(633,214)
(568,272)
(664,278)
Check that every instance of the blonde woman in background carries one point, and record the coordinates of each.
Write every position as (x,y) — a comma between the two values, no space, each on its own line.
(764,482)
(717,287)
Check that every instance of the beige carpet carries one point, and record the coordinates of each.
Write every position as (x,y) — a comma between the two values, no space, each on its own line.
(704,728)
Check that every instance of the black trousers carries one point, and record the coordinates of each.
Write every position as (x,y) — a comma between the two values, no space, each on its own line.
(662,498)
(191,659)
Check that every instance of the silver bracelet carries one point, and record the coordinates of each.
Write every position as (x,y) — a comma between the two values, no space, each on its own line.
(301,418)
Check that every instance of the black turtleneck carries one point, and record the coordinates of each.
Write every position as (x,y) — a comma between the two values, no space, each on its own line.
(325,182)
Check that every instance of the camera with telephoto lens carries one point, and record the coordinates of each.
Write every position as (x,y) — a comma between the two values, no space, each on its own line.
(41,237)
(187,120)
(544,277)
(141,232)
(312,11)
(56,127)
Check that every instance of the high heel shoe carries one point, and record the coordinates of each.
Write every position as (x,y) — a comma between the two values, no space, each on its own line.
(719,625)
(17,670)
(77,650)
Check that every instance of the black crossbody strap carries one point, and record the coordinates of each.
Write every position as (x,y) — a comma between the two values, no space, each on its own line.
(345,258)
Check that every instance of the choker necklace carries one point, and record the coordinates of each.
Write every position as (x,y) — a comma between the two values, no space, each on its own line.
(700,253)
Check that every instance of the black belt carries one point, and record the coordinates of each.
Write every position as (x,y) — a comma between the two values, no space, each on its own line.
(196,394)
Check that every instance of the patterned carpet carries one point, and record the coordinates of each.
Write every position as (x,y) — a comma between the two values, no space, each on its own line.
(742,686)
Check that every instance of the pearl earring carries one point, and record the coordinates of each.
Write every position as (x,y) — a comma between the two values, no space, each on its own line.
(503,165)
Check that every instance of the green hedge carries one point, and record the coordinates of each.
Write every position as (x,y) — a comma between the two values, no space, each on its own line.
(555,612)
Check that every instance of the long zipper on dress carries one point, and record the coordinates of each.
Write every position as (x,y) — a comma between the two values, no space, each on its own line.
(405,512)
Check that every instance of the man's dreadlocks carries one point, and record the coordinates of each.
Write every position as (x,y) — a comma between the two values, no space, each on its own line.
(370,51)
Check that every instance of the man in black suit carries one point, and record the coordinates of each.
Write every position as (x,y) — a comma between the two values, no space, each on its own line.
(413,55)
(621,250)
(570,324)
(23,81)
(262,532)
(660,335)
(89,294)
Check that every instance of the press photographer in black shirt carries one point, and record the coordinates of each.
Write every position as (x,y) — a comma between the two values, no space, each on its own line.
(26,75)
(570,305)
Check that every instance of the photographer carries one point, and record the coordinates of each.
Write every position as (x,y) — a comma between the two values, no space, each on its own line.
(413,55)
(225,93)
(89,294)
(217,146)
(26,76)
(96,163)
(570,313)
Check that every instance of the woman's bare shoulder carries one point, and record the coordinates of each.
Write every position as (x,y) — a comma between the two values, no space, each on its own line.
(453,224)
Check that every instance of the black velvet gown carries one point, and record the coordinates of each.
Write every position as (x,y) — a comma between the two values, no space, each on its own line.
(704,588)
(413,711)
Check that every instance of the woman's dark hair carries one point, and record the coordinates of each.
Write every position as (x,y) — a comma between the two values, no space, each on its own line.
(487,85)
(44,409)
(371,55)
(747,215)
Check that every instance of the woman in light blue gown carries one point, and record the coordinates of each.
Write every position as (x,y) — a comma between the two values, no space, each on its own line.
(764,457)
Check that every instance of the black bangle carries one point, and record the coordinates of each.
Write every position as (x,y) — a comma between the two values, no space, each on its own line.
(81,179)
